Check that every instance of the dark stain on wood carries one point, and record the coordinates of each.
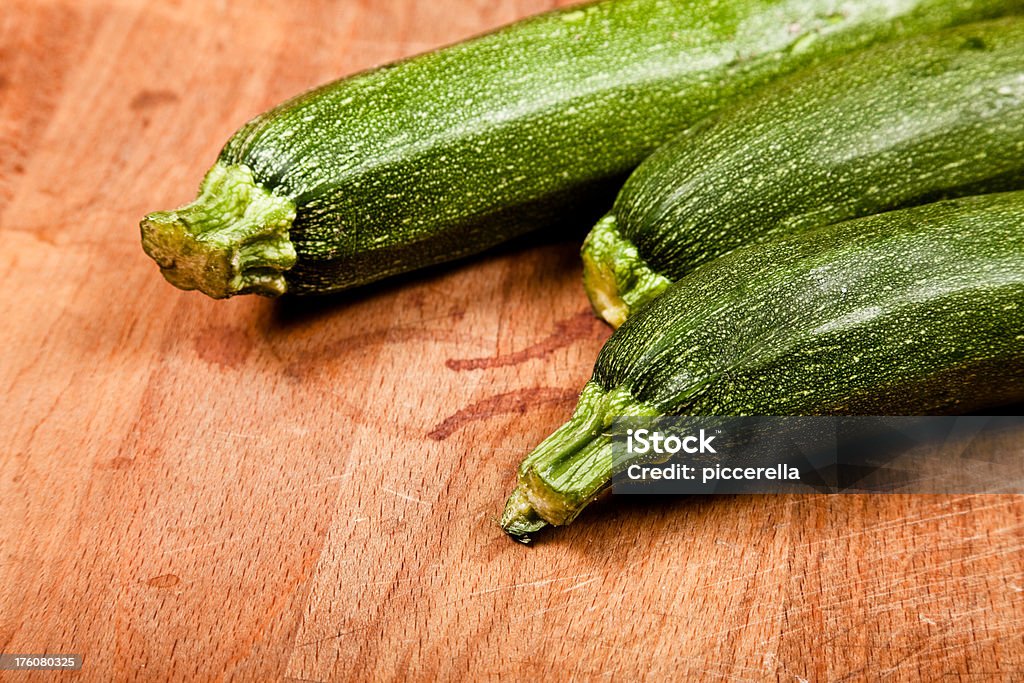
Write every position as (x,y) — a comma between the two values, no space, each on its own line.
(583,325)
(164,581)
(146,99)
(313,360)
(118,463)
(519,401)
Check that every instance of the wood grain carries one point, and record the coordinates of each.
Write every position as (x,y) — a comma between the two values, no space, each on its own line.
(308,490)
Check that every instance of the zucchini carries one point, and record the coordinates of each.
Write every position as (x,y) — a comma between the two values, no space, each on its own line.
(445,154)
(916,311)
(896,125)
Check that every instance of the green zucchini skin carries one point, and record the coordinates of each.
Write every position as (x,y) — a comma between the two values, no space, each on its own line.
(446,154)
(904,123)
(916,311)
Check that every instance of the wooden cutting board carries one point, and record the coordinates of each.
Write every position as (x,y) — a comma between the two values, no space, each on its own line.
(308,490)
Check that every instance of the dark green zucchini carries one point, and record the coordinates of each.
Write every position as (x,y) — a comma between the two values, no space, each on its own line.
(448,153)
(899,124)
(916,311)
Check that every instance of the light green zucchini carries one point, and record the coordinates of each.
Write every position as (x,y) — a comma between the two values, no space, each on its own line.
(451,152)
(916,311)
(899,124)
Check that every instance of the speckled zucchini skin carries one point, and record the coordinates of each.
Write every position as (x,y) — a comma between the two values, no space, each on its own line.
(899,124)
(451,152)
(917,311)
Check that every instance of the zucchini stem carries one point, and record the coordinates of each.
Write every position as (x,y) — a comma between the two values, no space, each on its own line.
(233,239)
(617,280)
(520,520)
(570,468)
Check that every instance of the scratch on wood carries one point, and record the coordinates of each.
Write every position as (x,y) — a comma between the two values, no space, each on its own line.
(530,584)
(319,482)
(236,435)
(405,496)
(565,605)
(335,636)
(196,546)
(581,584)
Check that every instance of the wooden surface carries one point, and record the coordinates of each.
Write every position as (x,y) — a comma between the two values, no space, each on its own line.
(259,490)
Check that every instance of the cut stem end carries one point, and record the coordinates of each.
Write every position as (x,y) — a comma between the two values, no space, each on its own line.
(233,239)
(618,281)
(520,520)
(570,468)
